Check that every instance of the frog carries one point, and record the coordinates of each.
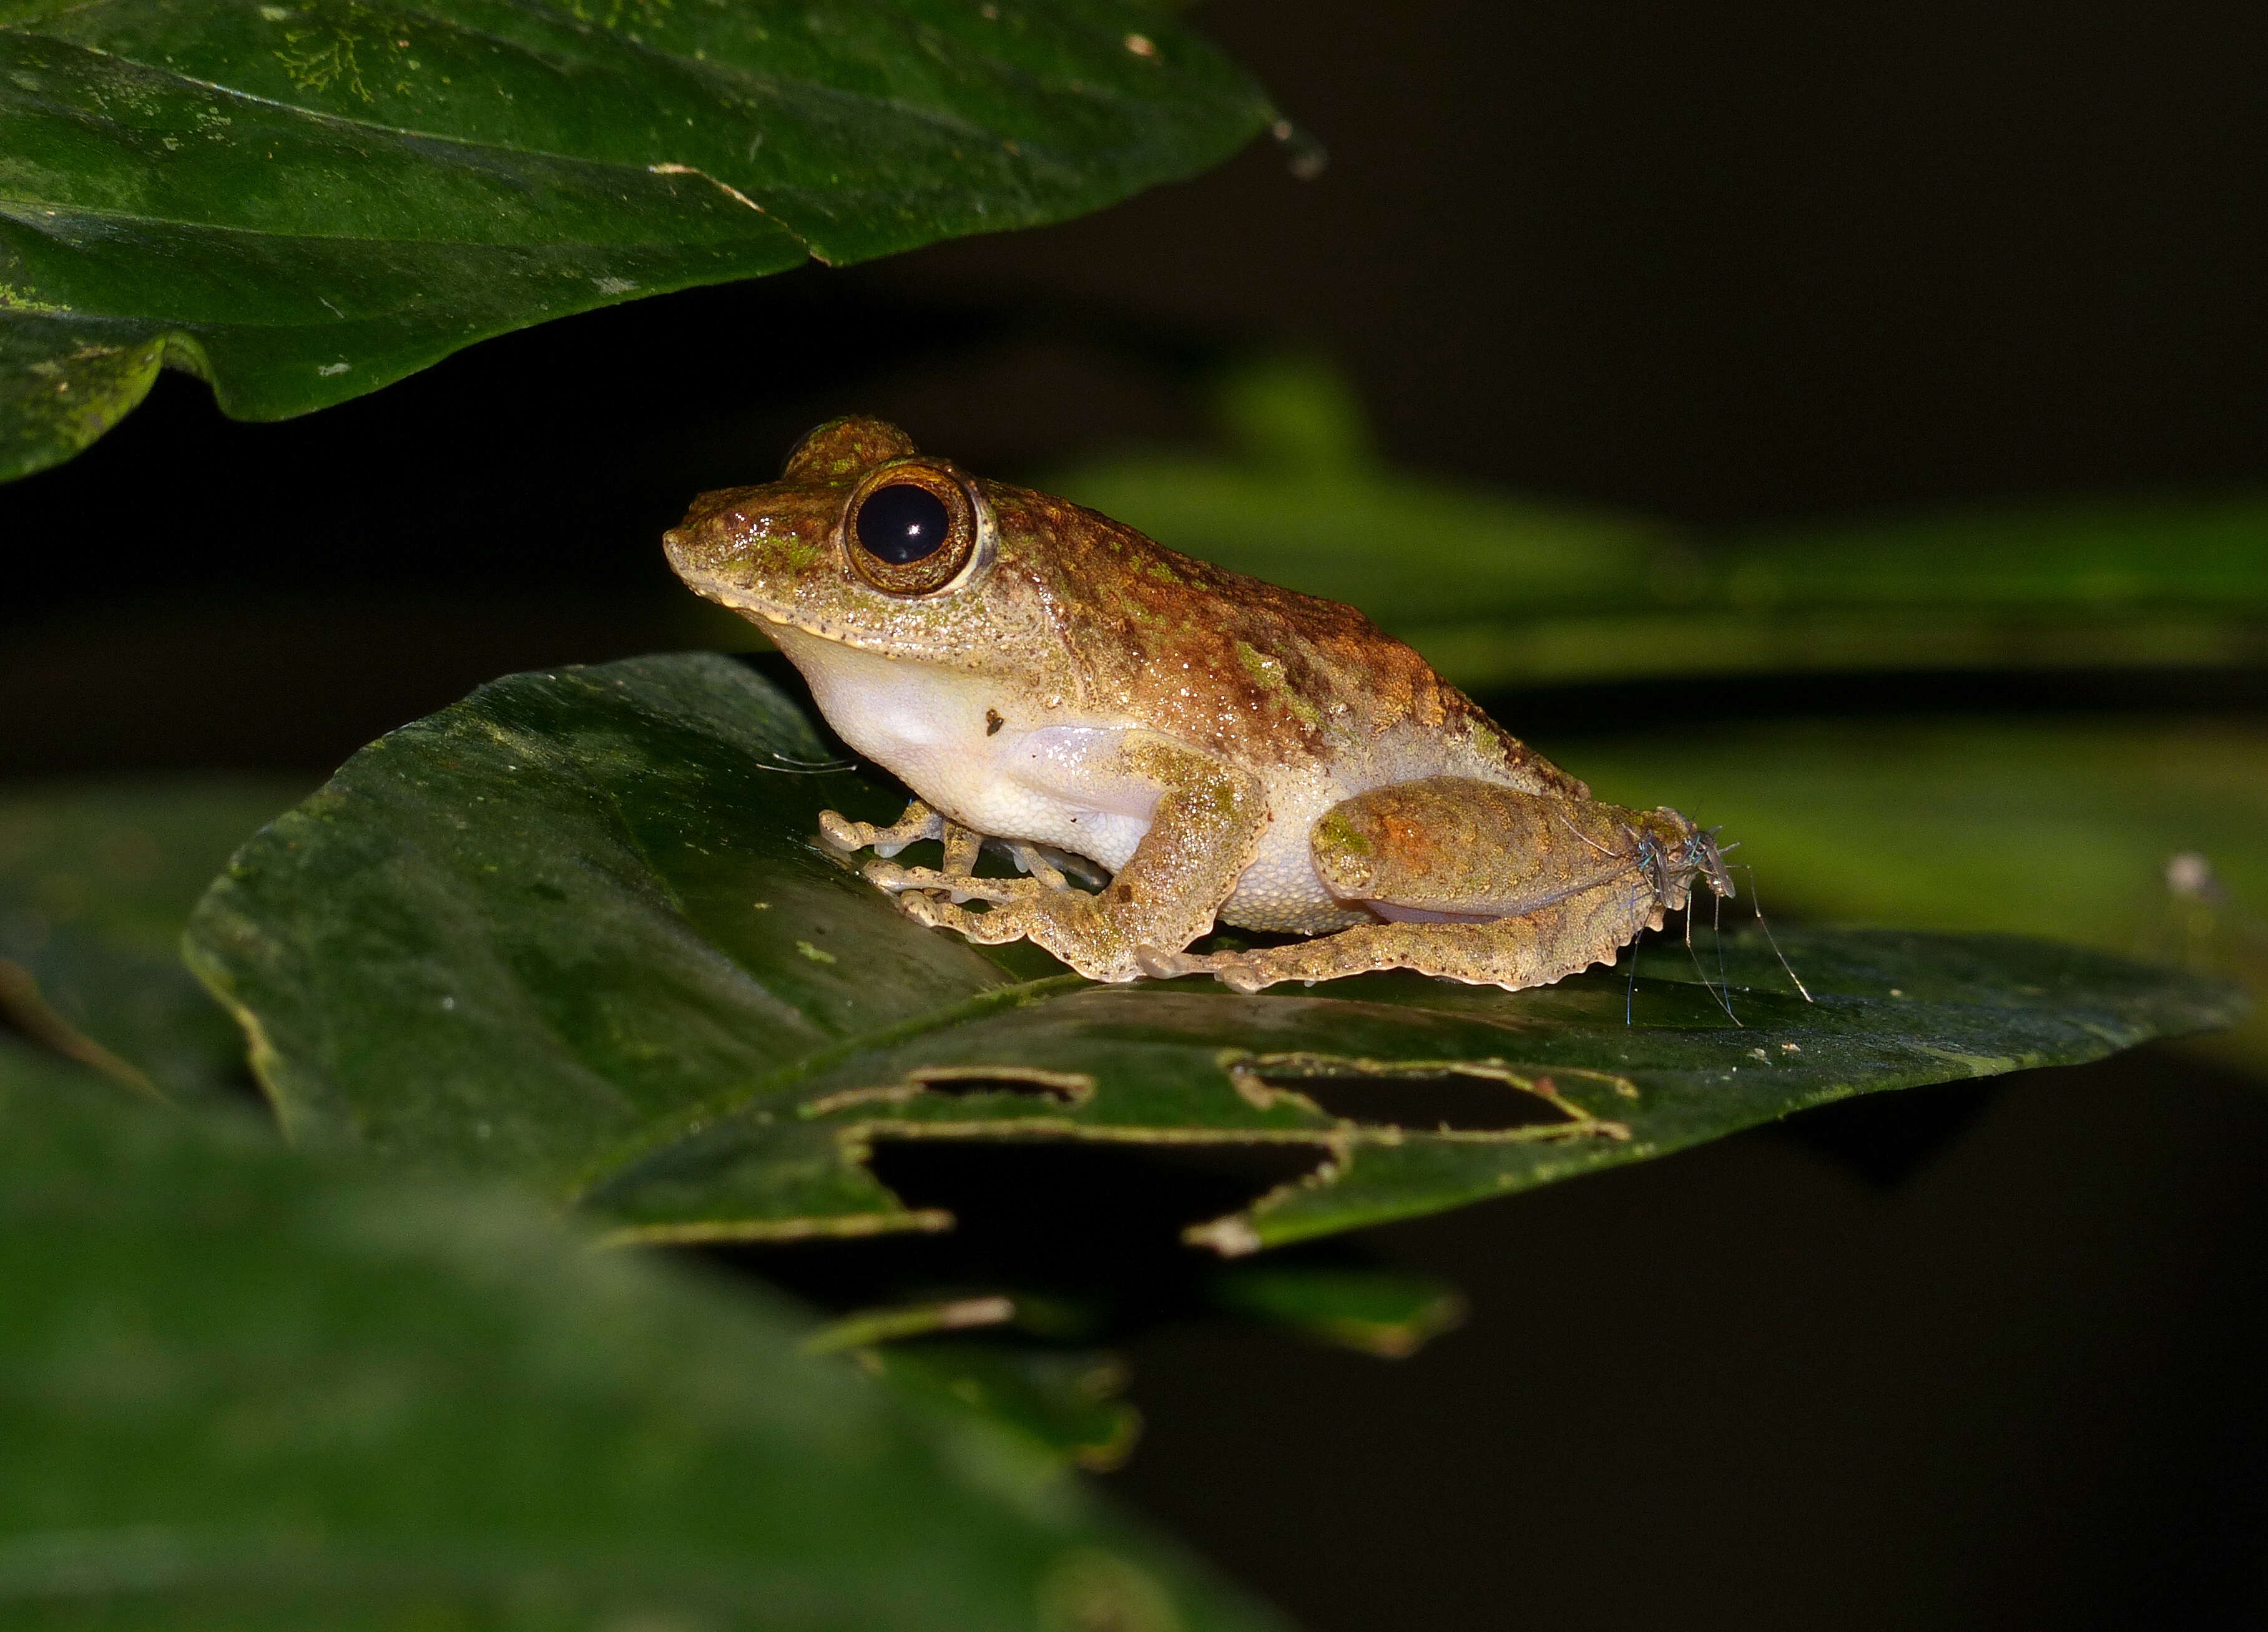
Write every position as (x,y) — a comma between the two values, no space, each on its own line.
(1161,746)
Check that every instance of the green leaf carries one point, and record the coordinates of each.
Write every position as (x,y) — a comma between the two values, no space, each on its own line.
(2139,837)
(1065,1404)
(1378,1312)
(1498,589)
(95,884)
(302,201)
(29,1069)
(240,1390)
(575,928)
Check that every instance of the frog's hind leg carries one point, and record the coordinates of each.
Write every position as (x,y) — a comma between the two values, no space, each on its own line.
(1479,882)
(1534,949)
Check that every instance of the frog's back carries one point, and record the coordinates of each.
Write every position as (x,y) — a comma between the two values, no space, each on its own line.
(1264,676)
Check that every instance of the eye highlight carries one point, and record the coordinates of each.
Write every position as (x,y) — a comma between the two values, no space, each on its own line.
(912,527)
(902,522)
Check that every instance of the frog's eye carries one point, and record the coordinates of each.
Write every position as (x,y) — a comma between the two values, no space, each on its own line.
(902,523)
(912,529)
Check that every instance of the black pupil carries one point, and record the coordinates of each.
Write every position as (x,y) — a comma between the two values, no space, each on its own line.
(902,522)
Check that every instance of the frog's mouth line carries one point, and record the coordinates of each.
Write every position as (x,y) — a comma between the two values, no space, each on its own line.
(738,600)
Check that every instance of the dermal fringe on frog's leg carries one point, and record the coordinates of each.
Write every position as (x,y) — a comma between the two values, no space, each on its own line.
(1207,823)
(1534,949)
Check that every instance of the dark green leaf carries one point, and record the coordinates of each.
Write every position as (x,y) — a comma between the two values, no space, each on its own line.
(240,1391)
(95,884)
(1497,588)
(302,201)
(2138,837)
(28,1069)
(1064,1403)
(575,928)
(1380,1311)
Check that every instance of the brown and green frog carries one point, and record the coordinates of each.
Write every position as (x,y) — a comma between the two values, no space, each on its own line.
(1222,750)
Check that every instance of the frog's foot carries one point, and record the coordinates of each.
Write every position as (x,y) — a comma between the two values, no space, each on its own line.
(906,883)
(1073,926)
(961,844)
(1228,967)
(1533,949)
(919,822)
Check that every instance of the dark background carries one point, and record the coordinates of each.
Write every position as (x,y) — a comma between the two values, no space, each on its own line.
(1736,265)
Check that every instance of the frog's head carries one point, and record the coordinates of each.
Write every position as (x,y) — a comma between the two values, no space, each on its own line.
(866,541)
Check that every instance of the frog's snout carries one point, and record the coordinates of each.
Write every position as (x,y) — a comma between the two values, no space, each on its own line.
(708,548)
(692,557)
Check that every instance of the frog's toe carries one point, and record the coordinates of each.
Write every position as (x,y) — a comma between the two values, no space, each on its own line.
(986,928)
(884,875)
(838,832)
(1030,859)
(1240,976)
(1051,866)
(1237,971)
(1160,965)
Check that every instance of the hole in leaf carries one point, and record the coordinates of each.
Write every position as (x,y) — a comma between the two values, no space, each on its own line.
(1073,1199)
(1455,1101)
(1098,1224)
(1060,1086)
(960,1082)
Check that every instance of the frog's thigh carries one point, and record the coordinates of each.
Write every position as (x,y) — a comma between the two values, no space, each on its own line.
(1204,829)
(1467,849)
(1534,949)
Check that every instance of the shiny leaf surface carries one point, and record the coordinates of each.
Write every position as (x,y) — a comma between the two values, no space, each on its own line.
(303,202)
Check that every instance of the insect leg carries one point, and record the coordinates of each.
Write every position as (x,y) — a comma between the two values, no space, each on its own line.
(1756,906)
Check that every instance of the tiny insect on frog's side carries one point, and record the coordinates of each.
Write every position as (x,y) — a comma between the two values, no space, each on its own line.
(1046,679)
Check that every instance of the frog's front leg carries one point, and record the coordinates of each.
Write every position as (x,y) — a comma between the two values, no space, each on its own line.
(1205,820)
(919,821)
